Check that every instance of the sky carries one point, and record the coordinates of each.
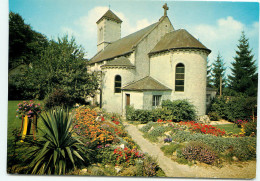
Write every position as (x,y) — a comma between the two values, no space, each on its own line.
(218,25)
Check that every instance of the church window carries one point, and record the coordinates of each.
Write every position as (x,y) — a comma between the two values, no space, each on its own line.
(179,77)
(118,82)
(157,100)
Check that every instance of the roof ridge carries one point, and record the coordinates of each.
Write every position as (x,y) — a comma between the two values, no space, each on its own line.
(157,23)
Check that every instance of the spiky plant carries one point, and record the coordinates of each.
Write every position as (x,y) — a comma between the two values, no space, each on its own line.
(57,151)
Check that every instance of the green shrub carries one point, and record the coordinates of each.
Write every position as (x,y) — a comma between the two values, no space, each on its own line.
(250,128)
(169,149)
(163,114)
(156,132)
(181,110)
(58,98)
(147,127)
(200,152)
(213,116)
(129,112)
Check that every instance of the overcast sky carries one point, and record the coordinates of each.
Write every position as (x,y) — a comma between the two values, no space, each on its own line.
(218,25)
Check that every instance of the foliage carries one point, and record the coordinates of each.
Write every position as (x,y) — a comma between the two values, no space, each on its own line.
(200,152)
(213,116)
(58,98)
(129,112)
(25,47)
(244,148)
(57,151)
(143,116)
(25,44)
(163,113)
(62,66)
(203,128)
(147,127)
(182,110)
(28,108)
(234,108)
(156,132)
(243,78)
(169,149)
(218,71)
(249,128)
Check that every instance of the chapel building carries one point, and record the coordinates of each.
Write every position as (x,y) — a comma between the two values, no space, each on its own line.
(153,64)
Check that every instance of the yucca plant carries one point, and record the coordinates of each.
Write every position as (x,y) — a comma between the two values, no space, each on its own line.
(57,151)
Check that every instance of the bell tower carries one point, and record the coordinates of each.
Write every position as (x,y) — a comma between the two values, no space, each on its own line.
(108,29)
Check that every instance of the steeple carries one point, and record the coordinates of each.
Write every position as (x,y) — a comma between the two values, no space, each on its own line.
(108,29)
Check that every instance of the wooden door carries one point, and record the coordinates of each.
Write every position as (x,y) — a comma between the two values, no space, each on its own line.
(127,99)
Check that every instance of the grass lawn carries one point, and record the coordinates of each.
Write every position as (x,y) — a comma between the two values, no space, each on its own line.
(229,128)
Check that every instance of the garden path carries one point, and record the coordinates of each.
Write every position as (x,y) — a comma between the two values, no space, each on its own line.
(173,169)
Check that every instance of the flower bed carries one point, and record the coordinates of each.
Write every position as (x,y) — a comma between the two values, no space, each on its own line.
(203,128)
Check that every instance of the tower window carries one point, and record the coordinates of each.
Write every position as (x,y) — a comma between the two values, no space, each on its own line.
(179,77)
(118,82)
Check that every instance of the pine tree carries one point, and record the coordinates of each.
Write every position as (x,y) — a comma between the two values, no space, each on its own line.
(243,78)
(209,75)
(218,71)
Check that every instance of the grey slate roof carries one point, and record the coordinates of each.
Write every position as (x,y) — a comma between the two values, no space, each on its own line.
(121,61)
(146,84)
(122,46)
(178,39)
(110,15)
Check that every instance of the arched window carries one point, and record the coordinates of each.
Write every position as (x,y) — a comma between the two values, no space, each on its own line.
(179,77)
(118,81)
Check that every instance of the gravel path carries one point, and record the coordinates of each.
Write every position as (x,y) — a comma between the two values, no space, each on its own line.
(173,169)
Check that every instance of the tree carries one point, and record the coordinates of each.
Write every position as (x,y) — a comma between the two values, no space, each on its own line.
(62,66)
(209,75)
(243,78)
(25,44)
(218,71)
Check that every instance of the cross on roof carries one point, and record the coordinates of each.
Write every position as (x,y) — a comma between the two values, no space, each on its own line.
(165,7)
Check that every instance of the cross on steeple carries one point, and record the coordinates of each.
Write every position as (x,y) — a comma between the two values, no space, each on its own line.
(165,7)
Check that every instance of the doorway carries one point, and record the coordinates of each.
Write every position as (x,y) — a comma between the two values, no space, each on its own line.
(127,99)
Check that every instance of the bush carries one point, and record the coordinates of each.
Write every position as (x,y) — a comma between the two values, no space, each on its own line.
(169,149)
(250,128)
(213,116)
(163,114)
(147,127)
(143,116)
(58,98)
(181,110)
(200,152)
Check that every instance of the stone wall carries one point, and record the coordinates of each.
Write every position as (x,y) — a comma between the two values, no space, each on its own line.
(195,75)
(147,44)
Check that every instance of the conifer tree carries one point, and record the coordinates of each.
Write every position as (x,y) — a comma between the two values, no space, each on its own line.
(243,78)
(218,71)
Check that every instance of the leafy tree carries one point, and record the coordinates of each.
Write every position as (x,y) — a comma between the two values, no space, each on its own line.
(62,66)
(209,75)
(243,78)
(218,71)
(25,44)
